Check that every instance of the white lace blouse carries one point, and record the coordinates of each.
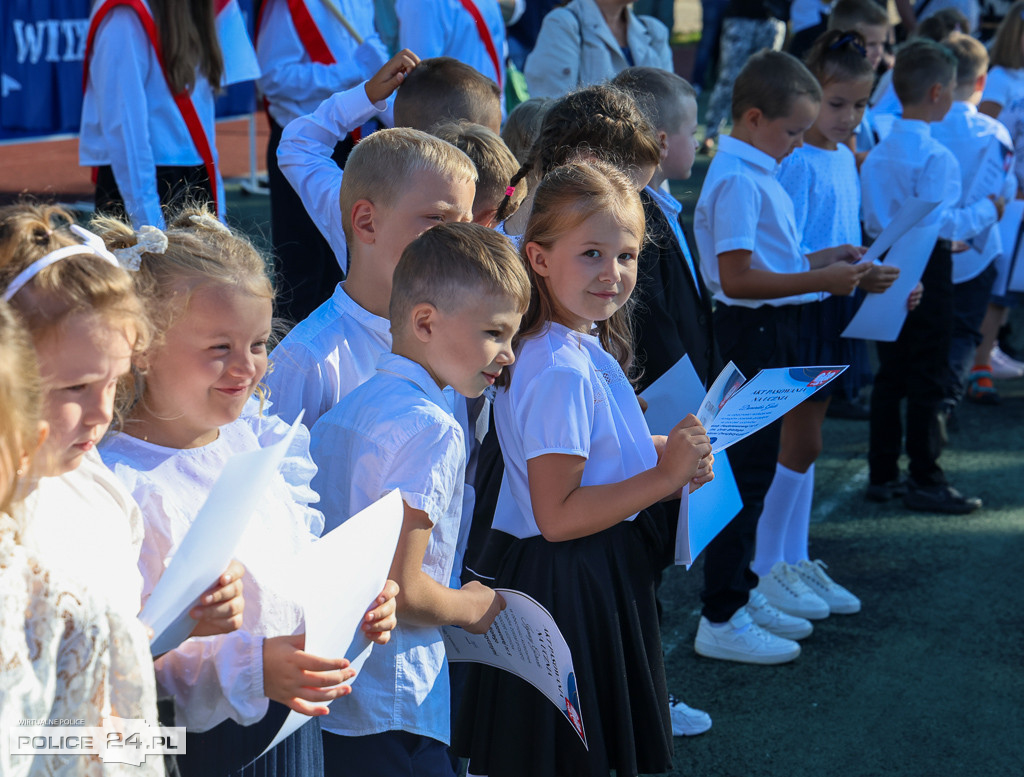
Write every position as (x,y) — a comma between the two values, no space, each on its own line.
(65,655)
(220,677)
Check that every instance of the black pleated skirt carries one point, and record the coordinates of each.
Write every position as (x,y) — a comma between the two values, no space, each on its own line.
(601,591)
(228,750)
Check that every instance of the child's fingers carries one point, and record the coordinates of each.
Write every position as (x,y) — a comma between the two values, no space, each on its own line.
(321,694)
(310,663)
(230,610)
(328,679)
(379,637)
(222,592)
(305,708)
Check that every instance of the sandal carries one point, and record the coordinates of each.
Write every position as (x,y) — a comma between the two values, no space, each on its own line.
(980,388)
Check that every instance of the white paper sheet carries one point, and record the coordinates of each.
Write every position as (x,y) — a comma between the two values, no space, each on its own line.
(210,543)
(341,574)
(1009,229)
(765,398)
(524,640)
(711,508)
(913,212)
(881,316)
(707,510)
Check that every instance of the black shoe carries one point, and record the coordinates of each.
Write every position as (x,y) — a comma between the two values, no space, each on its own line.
(851,411)
(939,498)
(883,492)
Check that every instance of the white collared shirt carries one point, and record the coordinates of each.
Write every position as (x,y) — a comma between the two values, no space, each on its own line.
(293,84)
(325,356)
(567,395)
(972,137)
(1005,88)
(909,162)
(304,156)
(672,207)
(444,28)
(743,206)
(396,431)
(130,120)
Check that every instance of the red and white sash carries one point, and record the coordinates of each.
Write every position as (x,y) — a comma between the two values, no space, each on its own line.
(487,39)
(182,99)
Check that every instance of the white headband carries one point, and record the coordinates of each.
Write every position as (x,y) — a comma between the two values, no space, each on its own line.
(92,244)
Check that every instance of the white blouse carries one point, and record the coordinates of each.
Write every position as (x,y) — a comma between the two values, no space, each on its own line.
(65,655)
(567,395)
(220,677)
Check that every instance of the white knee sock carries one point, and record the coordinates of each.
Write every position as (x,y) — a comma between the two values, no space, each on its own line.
(771,526)
(799,528)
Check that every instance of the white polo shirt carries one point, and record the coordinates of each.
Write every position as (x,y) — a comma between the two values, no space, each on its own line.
(743,206)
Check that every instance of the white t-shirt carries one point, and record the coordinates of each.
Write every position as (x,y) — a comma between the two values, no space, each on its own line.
(220,677)
(567,395)
(742,206)
(397,431)
(1006,88)
(825,189)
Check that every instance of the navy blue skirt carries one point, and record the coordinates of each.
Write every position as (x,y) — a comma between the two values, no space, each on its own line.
(228,750)
(821,343)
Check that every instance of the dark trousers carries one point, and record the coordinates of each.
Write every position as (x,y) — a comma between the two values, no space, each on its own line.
(914,367)
(391,754)
(755,339)
(802,41)
(306,268)
(970,302)
(177,188)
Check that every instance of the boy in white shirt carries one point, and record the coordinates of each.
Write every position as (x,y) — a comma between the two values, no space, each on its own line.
(978,142)
(909,162)
(397,183)
(459,294)
(753,266)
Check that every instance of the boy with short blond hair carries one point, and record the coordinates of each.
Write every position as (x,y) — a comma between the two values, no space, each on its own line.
(753,265)
(908,163)
(495,166)
(459,294)
(444,89)
(397,183)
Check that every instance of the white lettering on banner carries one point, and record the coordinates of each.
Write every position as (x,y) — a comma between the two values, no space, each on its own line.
(62,39)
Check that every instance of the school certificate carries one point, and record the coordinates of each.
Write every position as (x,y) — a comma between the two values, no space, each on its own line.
(524,640)
(705,512)
(763,399)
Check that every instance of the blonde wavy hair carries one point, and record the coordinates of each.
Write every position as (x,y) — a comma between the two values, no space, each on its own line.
(20,402)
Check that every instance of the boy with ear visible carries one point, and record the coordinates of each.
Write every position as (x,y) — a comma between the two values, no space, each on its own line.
(909,162)
(753,265)
(973,138)
(458,297)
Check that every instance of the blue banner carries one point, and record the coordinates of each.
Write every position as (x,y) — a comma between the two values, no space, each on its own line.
(42,48)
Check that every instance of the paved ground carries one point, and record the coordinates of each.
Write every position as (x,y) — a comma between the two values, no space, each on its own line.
(926,682)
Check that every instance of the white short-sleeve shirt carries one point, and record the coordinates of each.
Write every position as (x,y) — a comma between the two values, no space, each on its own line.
(396,431)
(1005,87)
(743,206)
(567,395)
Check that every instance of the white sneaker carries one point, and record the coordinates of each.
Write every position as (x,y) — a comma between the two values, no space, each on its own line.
(1003,366)
(784,588)
(838,599)
(740,639)
(686,721)
(772,619)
